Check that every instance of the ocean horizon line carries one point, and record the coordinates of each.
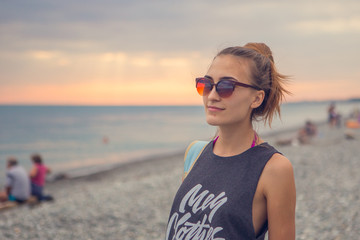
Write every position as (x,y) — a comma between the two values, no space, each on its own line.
(353,99)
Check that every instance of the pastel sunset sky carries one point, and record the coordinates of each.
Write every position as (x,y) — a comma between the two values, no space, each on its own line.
(141,52)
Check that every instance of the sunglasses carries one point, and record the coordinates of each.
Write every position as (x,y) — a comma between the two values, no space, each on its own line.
(224,88)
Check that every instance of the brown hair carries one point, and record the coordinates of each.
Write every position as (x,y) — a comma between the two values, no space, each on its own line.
(264,76)
(12,161)
(36,158)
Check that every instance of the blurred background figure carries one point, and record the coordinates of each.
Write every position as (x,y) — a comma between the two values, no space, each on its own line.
(306,133)
(352,123)
(38,174)
(355,115)
(334,118)
(17,186)
(105,140)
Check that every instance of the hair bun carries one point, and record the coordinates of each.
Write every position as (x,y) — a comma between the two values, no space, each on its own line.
(261,48)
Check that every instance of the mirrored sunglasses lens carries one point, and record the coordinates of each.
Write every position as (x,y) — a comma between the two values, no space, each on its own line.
(203,86)
(225,88)
(200,88)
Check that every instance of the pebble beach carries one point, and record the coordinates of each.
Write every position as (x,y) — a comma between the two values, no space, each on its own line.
(133,201)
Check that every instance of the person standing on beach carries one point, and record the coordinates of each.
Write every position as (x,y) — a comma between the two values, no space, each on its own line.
(17,187)
(240,187)
(38,174)
(334,118)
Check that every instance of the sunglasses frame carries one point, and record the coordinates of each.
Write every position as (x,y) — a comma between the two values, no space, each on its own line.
(234,83)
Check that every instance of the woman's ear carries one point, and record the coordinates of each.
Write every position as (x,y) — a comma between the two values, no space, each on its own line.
(259,98)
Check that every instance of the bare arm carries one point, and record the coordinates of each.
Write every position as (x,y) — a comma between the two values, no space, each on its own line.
(8,190)
(9,183)
(33,171)
(280,196)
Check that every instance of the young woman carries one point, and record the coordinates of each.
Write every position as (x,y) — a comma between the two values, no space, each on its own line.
(240,187)
(38,174)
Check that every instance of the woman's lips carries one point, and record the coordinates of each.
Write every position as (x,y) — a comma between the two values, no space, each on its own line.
(214,109)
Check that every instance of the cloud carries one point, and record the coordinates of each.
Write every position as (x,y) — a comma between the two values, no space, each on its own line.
(330,26)
(317,90)
(43,55)
(117,57)
(174,62)
(135,25)
(54,57)
(111,43)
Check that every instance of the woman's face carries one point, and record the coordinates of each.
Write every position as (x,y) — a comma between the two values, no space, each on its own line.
(237,108)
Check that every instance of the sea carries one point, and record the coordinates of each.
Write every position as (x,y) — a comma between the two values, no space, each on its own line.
(80,140)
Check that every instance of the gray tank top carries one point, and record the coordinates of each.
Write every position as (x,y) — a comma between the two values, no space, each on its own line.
(215,199)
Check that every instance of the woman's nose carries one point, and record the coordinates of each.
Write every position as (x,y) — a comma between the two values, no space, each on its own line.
(213,94)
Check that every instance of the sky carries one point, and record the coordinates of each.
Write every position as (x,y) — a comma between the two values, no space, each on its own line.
(141,52)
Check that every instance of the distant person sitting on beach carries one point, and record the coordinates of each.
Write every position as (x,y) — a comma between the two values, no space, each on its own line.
(238,185)
(17,187)
(307,132)
(38,176)
(304,135)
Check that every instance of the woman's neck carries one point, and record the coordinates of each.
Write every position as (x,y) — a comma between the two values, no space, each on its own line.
(233,141)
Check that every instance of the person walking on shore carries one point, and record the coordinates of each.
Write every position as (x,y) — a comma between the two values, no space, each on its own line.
(239,187)
(17,187)
(38,174)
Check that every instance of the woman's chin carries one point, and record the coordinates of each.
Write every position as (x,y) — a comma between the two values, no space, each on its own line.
(212,121)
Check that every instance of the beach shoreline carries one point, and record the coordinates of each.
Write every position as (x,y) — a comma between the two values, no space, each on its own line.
(75,173)
(85,172)
(133,201)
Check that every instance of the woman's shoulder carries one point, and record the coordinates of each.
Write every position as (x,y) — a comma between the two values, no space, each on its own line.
(278,171)
(278,163)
